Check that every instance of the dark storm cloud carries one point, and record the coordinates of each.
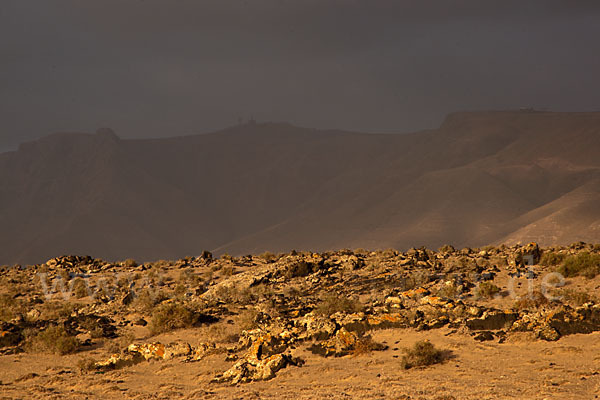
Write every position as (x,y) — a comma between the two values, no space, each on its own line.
(161,68)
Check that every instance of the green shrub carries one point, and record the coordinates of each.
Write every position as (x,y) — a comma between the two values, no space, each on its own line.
(487,290)
(422,354)
(585,264)
(53,339)
(171,316)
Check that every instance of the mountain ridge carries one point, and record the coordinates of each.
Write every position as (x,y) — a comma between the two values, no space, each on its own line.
(477,179)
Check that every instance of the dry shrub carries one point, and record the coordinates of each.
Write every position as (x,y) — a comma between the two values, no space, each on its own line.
(416,280)
(86,364)
(448,290)
(332,303)
(551,258)
(269,257)
(584,264)
(248,319)
(55,310)
(146,300)
(447,248)
(487,290)
(533,300)
(171,316)
(9,307)
(53,339)
(129,263)
(366,345)
(423,353)
(80,289)
(577,297)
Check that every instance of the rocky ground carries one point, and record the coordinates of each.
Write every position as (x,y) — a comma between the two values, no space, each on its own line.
(496,322)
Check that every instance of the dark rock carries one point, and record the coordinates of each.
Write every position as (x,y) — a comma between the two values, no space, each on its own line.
(10,334)
(484,336)
(492,320)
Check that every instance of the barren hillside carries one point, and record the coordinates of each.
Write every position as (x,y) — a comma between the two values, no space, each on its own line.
(484,177)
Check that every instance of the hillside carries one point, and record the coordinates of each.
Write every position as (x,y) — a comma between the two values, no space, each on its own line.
(482,177)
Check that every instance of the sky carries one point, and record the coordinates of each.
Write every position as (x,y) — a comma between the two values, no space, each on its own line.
(149,68)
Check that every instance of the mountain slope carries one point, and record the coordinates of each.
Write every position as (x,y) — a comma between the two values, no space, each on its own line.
(481,177)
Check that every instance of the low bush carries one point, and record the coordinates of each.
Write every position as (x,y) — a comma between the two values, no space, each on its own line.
(171,316)
(487,290)
(53,339)
(551,258)
(269,257)
(332,303)
(422,354)
(80,289)
(533,300)
(366,345)
(584,264)
(86,364)
(9,307)
(577,297)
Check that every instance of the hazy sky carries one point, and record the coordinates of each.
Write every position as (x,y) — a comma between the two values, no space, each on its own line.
(151,68)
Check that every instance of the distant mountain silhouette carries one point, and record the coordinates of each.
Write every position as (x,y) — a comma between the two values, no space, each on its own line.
(482,177)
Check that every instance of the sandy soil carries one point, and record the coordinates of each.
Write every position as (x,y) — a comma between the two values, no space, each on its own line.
(521,368)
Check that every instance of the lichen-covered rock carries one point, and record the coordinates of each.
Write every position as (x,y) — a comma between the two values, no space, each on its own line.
(339,345)
(117,361)
(552,324)
(201,351)
(316,327)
